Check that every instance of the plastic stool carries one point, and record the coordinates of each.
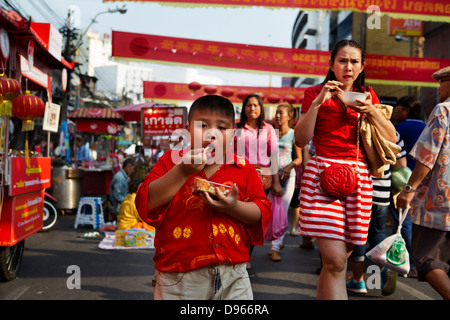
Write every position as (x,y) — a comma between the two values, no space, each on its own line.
(93,215)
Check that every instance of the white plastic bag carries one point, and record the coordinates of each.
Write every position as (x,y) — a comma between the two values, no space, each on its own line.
(391,252)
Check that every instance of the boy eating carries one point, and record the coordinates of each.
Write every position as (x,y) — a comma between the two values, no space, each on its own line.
(202,242)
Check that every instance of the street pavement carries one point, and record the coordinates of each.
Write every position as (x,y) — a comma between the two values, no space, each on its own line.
(50,258)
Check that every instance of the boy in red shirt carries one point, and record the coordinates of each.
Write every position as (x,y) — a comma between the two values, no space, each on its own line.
(202,243)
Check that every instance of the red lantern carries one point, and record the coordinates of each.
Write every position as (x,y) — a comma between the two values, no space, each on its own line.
(273,98)
(9,90)
(210,89)
(28,107)
(242,94)
(290,98)
(227,92)
(194,86)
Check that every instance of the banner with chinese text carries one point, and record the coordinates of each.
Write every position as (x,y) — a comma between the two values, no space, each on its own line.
(428,10)
(380,69)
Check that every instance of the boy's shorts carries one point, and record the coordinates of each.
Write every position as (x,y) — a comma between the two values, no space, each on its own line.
(431,250)
(221,282)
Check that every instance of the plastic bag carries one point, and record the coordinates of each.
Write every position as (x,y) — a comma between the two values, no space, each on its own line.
(279,222)
(391,252)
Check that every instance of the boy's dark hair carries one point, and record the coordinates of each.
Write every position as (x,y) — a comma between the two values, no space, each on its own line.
(413,105)
(243,119)
(127,161)
(359,82)
(213,103)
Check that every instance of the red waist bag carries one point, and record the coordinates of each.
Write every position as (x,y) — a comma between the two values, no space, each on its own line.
(338,180)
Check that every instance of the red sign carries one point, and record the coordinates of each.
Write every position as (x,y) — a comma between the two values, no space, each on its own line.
(408,28)
(436,10)
(380,69)
(22,216)
(29,174)
(162,121)
(171,91)
(106,127)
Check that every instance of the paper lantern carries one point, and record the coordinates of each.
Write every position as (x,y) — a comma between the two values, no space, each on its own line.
(194,86)
(242,94)
(227,92)
(9,90)
(290,98)
(273,98)
(28,107)
(210,89)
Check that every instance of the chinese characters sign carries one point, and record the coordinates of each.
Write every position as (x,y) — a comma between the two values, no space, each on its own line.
(433,10)
(380,69)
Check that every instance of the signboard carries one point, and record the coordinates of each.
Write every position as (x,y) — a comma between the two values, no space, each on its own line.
(22,216)
(51,117)
(162,121)
(29,174)
(407,28)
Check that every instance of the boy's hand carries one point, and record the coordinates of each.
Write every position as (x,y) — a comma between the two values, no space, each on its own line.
(224,203)
(193,161)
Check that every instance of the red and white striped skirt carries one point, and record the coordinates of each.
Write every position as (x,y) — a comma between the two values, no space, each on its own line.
(324,216)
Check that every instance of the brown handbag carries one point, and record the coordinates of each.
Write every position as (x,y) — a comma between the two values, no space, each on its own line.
(265,175)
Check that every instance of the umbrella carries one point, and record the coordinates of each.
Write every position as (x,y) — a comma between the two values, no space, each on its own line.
(96,114)
(132,112)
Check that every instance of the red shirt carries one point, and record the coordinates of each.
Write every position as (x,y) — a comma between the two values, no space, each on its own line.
(335,132)
(189,233)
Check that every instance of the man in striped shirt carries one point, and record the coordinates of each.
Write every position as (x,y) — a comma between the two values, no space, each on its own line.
(380,206)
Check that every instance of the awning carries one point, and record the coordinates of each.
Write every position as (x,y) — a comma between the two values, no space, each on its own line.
(95,113)
(132,112)
(100,120)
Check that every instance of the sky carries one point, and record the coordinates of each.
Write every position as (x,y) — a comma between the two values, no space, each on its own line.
(254,26)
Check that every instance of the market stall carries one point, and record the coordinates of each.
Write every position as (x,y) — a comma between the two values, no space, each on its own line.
(29,52)
(97,172)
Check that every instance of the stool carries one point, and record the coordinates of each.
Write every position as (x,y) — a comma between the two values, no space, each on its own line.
(93,215)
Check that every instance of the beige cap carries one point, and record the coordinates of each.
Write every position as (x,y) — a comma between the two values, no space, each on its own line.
(441,74)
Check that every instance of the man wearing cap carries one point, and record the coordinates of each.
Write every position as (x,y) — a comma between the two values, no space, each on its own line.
(428,194)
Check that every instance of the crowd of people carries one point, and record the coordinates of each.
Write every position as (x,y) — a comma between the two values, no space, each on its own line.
(205,239)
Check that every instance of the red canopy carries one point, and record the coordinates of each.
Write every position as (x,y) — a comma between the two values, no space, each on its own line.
(96,113)
(132,112)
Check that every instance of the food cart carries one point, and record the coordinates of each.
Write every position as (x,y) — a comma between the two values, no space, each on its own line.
(97,175)
(29,53)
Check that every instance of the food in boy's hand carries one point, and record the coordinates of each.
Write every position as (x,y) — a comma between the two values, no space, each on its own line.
(202,185)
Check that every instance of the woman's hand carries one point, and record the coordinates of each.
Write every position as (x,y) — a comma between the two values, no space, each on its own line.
(365,106)
(329,90)
(277,190)
(287,171)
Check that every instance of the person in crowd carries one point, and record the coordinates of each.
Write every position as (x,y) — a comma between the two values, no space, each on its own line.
(128,217)
(284,181)
(337,224)
(257,141)
(39,145)
(409,123)
(409,126)
(82,152)
(118,189)
(202,239)
(427,193)
(142,164)
(381,201)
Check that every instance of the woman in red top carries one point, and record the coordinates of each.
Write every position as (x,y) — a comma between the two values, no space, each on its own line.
(338,224)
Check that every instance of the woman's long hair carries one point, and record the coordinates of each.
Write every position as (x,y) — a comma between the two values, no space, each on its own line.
(260,120)
(360,81)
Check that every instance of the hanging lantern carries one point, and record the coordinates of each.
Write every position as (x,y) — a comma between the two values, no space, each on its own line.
(227,92)
(242,94)
(210,89)
(9,90)
(273,98)
(28,107)
(194,86)
(290,98)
